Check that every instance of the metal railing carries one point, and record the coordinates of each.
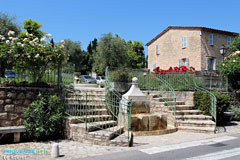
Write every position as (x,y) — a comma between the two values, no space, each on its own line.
(118,106)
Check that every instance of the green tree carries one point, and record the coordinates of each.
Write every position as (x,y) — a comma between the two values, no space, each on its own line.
(136,54)
(77,56)
(231,66)
(235,44)
(30,53)
(7,23)
(91,49)
(111,51)
(231,69)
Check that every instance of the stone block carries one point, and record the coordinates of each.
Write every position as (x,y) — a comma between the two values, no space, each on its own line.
(5,123)
(19,109)
(9,108)
(2,94)
(139,123)
(18,102)
(19,122)
(1,101)
(140,107)
(21,96)
(154,122)
(3,116)
(8,101)
(30,95)
(11,95)
(12,116)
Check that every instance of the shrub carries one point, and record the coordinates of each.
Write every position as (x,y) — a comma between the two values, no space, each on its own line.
(44,118)
(236,111)
(223,103)
(202,102)
(120,75)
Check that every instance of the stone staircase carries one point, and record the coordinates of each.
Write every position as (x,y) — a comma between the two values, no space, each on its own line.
(187,117)
(92,120)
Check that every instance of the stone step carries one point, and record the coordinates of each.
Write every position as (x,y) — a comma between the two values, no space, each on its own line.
(182,107)
(109,133)
(86,85)
(193,117)
(90,90)
(197,129)
(90,118)
(163,99)
(84,100)
(121,140)
(196,123)
(94,126)
(187,112)
(83,94)
(169,103)
(81,112)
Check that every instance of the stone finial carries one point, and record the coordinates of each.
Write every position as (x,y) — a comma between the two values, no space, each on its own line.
(134,80)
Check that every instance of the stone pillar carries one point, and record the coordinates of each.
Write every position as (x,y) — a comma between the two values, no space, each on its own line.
(140,103)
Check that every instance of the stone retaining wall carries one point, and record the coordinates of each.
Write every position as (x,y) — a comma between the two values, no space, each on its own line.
(13,100)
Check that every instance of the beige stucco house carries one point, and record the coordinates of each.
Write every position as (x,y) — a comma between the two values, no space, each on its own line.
(189,46)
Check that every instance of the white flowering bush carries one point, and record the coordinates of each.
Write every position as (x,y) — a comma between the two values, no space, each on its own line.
(31,52)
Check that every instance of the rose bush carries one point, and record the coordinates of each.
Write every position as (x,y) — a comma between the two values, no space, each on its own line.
(31,51)
(181,69)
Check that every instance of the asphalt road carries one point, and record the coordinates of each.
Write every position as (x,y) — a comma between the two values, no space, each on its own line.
(227,148)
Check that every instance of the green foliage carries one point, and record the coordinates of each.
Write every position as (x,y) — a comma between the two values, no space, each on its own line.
(7,23)
(77,57)
(28,52)
(235,44)
(111,52)
(120,75)
(202,102)
(91,49)
(223,103)
(231,68)
(33,27)
(236,111)
(136,54)
(44,118)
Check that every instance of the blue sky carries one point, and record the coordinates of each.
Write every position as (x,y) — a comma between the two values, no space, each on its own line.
(142,20)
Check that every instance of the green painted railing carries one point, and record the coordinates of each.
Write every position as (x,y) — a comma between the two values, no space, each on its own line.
(119,107)
(213,101)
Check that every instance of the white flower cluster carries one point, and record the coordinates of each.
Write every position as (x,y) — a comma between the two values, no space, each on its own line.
(11,33)
(2,38)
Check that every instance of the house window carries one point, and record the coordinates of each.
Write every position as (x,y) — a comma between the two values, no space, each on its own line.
(212,63)
(154,66)
(229,40)
(211,39)
(157,49)
(184,42)
(183,62)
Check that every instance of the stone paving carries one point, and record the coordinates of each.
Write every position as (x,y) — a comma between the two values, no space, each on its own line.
(77,150)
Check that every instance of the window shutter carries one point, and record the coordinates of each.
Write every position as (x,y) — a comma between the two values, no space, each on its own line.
(229,39)
(154,66)
(211,39)
(187,62)
(208,64)
(184,42)
(179,62)
(158,49)
(216,63)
